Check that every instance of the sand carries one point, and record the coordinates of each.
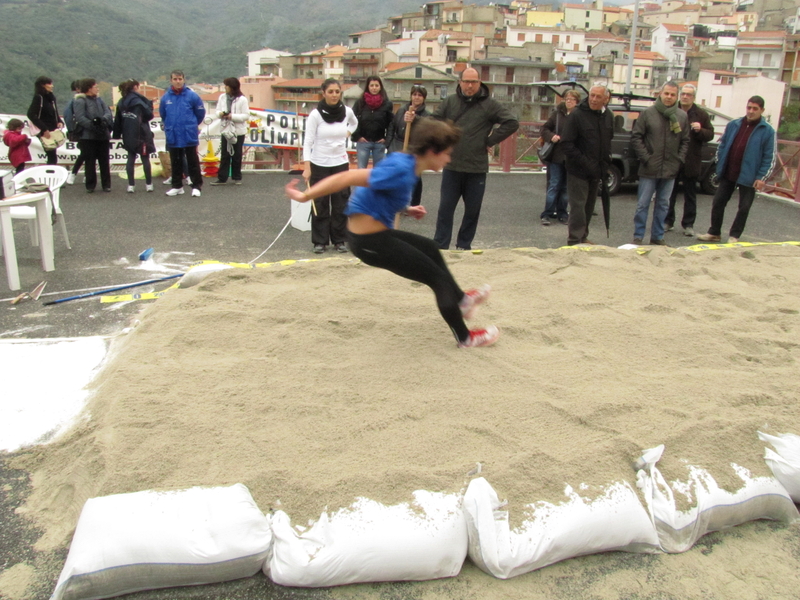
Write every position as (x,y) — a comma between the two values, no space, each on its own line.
(315,383)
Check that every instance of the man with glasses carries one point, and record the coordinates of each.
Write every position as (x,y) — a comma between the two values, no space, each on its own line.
(484,122)
(700,131)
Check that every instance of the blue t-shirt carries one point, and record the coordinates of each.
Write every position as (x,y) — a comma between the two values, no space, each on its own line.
(391,183)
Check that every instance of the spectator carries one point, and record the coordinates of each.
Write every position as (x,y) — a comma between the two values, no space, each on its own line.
(465,177)
(587,147)
(328,128)
(43,114)
(556,200)
(374,113)
(396,134)
(94,120)
(132,124)
(181,112)
(234,112)
(660,139)
(17,142)
(72,135)
(700,131)
(745,158)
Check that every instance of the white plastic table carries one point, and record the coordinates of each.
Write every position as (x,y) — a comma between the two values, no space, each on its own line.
(41,201)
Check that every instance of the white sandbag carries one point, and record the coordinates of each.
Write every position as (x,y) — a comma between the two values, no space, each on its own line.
(714,508)
(615,521)
(197,273)
(785,463)
(148,540)
(372,542)
(301,215)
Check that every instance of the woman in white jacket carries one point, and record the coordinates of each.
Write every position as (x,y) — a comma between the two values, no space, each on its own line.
(234,112)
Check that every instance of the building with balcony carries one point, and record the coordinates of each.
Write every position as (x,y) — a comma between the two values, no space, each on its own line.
(649,73)
(512,82)
(297,95)
(448,47)
(373,38)
(727,92)
(760,53)
(258,90)
(360,63)
(438,83)
(583,16)
(264,62)
(671,41)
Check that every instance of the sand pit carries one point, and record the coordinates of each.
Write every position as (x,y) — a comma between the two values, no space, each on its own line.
(319,382)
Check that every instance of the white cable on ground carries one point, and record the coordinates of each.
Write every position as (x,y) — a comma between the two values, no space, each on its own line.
(273,242)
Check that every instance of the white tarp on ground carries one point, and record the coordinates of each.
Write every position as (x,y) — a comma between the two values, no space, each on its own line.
(43,386)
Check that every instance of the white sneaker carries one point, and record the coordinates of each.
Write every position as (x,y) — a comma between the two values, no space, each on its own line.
(187,181)
(70,178)
(149,187)
(175,192)
(168,180)
(131,189)
(481,337)
(195,193)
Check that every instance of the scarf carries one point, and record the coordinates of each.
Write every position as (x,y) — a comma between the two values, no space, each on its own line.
(374,101)
(331,114)
(670,113)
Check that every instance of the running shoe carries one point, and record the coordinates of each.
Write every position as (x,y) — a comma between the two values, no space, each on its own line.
(472,299)
(481,337)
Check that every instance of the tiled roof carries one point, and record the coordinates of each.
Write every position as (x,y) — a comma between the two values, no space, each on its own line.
(305,83)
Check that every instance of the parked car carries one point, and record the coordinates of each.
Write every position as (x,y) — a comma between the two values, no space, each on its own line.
(624,162)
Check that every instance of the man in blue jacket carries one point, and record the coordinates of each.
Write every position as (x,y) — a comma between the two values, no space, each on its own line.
(181,112)
(745,157)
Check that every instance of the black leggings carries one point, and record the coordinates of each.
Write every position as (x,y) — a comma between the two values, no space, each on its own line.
(130,167)
(416,258)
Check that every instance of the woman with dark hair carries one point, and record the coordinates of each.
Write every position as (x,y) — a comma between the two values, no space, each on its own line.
(132,124)
(396,133)
(94,121)
(43,113)
(72,136)
(234,112)
(325,153)
(374,113)
(556,198)
(382,195)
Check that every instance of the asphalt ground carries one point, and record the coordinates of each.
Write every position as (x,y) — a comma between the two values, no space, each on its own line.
(231,223)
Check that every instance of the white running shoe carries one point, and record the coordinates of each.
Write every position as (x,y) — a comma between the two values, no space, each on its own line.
(70,178)
(195,193)
(149,187)
(167,181)
(175,192)
(187,181)
(131,189)
(472,299)
(481,337)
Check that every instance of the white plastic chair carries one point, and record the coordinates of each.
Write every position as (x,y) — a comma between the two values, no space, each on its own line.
(55,177)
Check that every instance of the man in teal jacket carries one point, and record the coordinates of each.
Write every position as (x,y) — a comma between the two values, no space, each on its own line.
(745,157)
(181,112)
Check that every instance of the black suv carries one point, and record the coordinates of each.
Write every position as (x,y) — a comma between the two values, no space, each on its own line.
(624,163)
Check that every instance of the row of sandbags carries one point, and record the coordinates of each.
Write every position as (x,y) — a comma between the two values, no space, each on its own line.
(148,540)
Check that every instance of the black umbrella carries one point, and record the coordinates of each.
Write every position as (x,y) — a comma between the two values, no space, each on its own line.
(606,201)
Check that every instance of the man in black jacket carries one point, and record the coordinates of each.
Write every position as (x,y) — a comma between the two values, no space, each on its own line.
(700,131)
(476,113)
(586,143)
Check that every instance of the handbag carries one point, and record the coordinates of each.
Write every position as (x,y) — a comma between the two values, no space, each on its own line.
(56,140)
(545,151)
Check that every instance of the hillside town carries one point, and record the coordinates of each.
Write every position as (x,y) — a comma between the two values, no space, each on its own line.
(730,49)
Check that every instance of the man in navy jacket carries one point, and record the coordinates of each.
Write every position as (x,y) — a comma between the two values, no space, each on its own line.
(745,157)
(181,112)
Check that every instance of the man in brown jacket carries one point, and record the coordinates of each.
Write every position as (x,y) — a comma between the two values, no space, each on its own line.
(700,131)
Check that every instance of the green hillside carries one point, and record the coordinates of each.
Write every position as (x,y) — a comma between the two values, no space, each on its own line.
(112,40)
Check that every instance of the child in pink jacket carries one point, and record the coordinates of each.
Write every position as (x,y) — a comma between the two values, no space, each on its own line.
(17,143)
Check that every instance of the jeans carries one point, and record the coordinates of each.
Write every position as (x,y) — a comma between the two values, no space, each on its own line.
(582,199)
(456,185)
(364,149)
(232,163)
(724,192)
(689,201)
(648,186)
(557,198)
